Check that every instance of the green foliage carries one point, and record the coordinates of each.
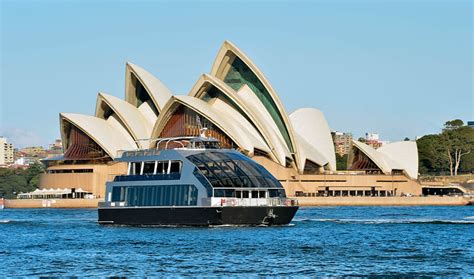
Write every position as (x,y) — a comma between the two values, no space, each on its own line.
(448,152)
(467,163)
(15,181)
(453,124)
(341,162)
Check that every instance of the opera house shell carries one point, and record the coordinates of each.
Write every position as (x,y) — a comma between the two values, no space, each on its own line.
(240,108)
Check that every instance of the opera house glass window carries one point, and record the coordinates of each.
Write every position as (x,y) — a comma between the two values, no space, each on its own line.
(186,122)
(81,146)
(240,74)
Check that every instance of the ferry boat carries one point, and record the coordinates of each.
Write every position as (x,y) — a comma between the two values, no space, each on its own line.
(191,181)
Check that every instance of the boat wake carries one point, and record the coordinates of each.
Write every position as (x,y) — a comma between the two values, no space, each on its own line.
(387,221)
(5,221)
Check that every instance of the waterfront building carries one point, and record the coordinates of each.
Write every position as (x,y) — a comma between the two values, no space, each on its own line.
(33,151)
(470,124)
(373,140)
(240,108)
(342,142)
(56,146)
(6,152)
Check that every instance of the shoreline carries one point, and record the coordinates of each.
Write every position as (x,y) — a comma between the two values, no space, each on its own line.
(386,201)
(302,201)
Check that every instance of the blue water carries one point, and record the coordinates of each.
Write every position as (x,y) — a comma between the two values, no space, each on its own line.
(325,241)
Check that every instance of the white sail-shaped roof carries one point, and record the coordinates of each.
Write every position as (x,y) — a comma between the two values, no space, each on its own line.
(236,109)
(235,131)
(393,156)
(308,152)
(136,124)
(102,132)
(269,99)
(159,93)
(312,126)
(374,156)
(404,154)
(268,126)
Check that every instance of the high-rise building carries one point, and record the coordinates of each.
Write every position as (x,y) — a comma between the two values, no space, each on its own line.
(6,152)
(342,142)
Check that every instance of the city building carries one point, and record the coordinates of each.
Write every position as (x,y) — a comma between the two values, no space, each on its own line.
(470,124)
(56,146)
(342,142)
(373,140)
(33,151)
(6,152)
(240,108)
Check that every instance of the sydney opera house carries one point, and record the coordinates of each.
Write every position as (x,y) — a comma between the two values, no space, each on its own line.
(239,107)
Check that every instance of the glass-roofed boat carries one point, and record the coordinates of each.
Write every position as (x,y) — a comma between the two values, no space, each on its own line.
(192,181)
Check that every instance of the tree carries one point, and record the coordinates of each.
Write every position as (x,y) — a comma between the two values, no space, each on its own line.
(33,172)
(457,140)
(453,124)
(430,155)
(406,139)
(14,181)
(341,162)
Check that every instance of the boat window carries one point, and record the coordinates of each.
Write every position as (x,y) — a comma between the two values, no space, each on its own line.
(233,170)
(203,181)
(238,194)
(225,193)
(261,194)
(254,194)
(163,195)
(245,194)
(136,168)
(149,167)
(276,193)
(162,167)
(117,194)
(175,167)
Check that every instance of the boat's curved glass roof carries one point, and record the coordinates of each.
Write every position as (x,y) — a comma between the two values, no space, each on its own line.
(233,170)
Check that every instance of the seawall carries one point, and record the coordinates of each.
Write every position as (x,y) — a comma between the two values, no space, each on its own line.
(303,201)
(382,201)
(53,203)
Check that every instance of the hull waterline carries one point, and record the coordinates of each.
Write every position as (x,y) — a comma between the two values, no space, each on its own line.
(198,216)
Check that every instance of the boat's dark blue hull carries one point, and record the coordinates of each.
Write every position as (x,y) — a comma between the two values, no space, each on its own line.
(198,216)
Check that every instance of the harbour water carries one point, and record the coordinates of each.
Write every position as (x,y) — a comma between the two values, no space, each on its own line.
(321,241)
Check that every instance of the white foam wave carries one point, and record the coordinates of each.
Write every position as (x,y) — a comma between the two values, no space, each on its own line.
(387,221)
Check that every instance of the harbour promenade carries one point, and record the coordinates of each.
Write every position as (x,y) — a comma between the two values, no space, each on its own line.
(52,203)
(303,201)
(384,201)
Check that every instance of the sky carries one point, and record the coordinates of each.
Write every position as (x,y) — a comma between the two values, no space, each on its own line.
(397,68)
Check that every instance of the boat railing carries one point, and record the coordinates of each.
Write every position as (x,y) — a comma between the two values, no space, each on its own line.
(216,201)
(143,177)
